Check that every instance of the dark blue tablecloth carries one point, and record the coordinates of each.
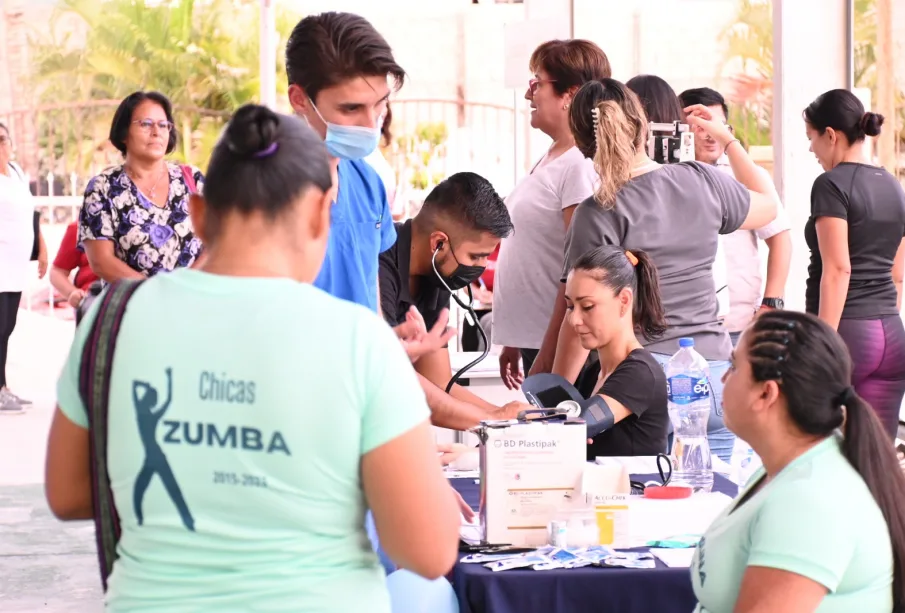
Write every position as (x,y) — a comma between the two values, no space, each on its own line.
(577,590)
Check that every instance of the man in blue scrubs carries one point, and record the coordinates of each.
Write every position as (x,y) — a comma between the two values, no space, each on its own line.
(340,70)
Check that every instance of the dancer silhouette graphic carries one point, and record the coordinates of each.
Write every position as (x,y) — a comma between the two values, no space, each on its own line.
(145,398)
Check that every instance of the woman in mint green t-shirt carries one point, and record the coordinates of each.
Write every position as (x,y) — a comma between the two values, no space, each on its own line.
(821,526)
(252,417)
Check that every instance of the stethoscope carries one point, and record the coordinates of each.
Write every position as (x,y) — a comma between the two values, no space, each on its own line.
(665,475)
(469,313)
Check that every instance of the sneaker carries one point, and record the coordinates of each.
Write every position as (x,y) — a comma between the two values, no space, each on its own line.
(20,401)
(8,404)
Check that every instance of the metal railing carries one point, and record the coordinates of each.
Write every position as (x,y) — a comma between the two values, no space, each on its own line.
(61,146)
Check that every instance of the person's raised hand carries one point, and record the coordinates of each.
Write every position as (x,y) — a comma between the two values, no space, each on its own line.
(413,325)
(701,117)
(418,343)
(510,368)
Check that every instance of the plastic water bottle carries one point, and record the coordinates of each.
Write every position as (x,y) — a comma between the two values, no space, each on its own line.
(688,391)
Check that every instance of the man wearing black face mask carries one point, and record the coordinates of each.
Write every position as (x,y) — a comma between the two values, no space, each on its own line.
(444,249)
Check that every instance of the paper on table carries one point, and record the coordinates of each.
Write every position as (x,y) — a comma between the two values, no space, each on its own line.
(654,520)
(674,558)
(601,480)
(721,467)
(471,533)
(461,474)
(635,465)
(460,359)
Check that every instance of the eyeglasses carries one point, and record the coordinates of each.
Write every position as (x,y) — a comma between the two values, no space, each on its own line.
(534,83)
(146,124)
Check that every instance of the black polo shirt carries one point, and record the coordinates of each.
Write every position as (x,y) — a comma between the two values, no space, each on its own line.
(395,296)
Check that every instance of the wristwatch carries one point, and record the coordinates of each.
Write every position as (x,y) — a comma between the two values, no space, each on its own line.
(773,303)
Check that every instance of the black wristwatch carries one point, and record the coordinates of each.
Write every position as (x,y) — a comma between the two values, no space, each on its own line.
(773,303)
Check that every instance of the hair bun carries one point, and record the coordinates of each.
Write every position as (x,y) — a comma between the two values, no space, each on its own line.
(251,130)
(871,123)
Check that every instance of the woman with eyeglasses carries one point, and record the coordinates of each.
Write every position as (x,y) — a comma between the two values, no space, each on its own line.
(526,286)
(134,220)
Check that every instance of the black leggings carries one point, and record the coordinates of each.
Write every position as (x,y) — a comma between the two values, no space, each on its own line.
(9,309)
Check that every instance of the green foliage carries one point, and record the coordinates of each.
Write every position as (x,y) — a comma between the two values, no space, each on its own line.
(203,55)
(749,53)
(419,152)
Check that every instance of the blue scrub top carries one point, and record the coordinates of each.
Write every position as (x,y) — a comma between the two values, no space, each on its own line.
(361,228)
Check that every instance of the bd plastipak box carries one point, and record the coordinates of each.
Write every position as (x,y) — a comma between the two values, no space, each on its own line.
(529,469)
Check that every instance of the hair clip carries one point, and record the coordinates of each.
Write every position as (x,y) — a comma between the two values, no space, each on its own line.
(268,151)
(595,112)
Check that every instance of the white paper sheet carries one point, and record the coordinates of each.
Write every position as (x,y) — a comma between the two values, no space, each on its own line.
(471,533)
(674,558)
(450,473)
(661,519)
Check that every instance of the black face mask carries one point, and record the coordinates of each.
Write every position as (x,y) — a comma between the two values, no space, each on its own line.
(462,276)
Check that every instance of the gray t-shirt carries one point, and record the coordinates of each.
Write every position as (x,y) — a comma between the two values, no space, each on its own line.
(675,214)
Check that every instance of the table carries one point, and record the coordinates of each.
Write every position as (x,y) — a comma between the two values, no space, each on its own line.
(578,590)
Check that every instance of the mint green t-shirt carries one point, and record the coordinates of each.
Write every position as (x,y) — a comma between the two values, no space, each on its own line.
(240,410)
(817,519)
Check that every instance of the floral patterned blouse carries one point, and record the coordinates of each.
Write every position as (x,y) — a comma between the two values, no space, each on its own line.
(149,238)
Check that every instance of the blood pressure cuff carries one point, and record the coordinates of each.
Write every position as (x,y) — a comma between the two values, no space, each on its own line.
(596,414)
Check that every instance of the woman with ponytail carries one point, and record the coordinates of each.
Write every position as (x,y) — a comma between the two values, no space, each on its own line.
(855,234)
(611,296)
(674,212)
(820,527)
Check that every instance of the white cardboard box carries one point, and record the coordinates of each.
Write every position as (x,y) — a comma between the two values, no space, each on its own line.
(528,470)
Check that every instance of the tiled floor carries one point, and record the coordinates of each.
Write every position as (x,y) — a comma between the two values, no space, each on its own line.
(45,566)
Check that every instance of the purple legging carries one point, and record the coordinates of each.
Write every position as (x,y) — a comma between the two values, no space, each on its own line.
(877,347)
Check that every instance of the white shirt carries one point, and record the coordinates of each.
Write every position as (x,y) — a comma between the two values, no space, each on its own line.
(17,235)
(530,262)
(741,255)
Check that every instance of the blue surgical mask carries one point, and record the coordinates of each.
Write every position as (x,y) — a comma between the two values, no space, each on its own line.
(350,142)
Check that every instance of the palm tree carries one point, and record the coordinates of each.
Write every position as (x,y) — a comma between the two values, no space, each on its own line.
(202,55)
(749,58)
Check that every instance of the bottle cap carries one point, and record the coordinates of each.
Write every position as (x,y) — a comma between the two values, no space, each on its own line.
(686,342)
(667,492)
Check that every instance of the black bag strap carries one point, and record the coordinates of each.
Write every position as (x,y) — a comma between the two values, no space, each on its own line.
(94,387)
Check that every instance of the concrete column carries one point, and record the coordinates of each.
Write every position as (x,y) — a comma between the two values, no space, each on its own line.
(800,74)
(268,54)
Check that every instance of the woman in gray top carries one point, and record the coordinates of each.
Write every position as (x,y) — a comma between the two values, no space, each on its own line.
(673,212)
